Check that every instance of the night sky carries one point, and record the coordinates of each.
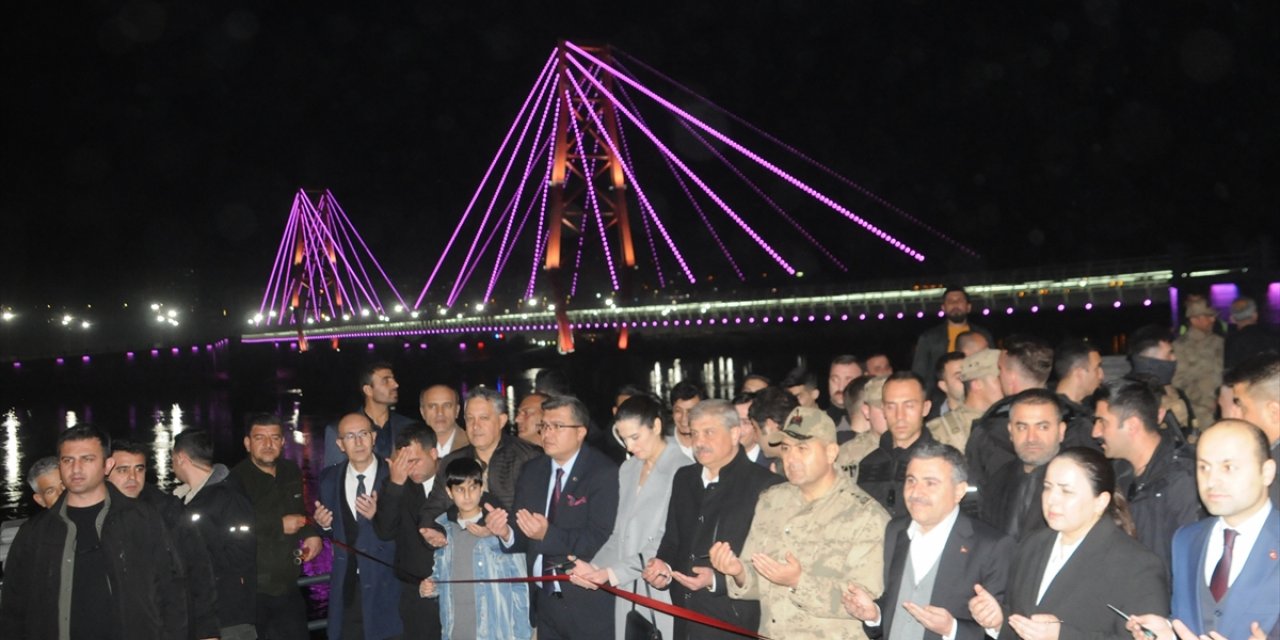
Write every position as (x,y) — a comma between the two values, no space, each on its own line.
(156,147)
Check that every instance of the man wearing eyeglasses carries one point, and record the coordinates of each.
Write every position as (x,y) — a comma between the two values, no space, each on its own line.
(564,508)
(1153,471)
(364,594)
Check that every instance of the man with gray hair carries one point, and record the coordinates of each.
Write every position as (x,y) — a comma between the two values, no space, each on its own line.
(45,481)
(1248,337)
(935,559)
(712,501)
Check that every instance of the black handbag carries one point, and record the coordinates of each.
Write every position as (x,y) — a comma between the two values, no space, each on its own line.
(639,627)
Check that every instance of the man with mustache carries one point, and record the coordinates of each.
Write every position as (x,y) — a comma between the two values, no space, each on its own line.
(1011,500)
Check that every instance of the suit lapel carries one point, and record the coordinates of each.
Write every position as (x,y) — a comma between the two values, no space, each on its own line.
(1263,559)
(1076,570)
(897,573)
(581,467)
(954,559)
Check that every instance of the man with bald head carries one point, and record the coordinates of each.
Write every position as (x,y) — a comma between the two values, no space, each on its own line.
(439,405)
(1225,573)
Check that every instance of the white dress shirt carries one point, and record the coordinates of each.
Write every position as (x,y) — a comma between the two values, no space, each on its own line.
(926,549)
(1058,557)
(443,448)
(353,482)
(1246,535)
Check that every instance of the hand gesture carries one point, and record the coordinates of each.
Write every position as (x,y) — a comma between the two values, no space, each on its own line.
(586,575)
(495,520)
(400,466)
(657,573)
(323,517)
(294,522)
(701,579)
(534,525)
(1185,633)
(478,530)
(935,619)
(367,505)
(427,588)
(859,603)
(1139,625)
(311,548)
(1040,626)
(433,537)
(985,609)
(785,574)
(725,560)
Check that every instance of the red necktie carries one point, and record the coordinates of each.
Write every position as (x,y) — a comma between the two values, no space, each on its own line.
(1222,572)
(555,497)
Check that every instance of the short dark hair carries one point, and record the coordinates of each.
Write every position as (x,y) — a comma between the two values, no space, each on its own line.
(687,390)
(463,470)
(952,456)
(756,376)
(940,367)
(644,408)
(417,432)
(264,420)
(799,376)
(1128,398)
(853,391)
(197,444)
(1260,372)
(366,373)
(743,398)
(1033,356)
(576,407)
(772,403)
(630,390)
(1148,337)
(551,381)
(1102,479)
(85,432)
(1072,354)
(129,446)
(956,289)
(899,376)
(1038,396)
(846,359)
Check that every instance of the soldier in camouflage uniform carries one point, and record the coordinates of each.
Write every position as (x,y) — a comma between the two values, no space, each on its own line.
(810,538)
(866,414)
(954,427)
(1200,353)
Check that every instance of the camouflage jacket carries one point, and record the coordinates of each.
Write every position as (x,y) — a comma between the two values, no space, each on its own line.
(838,539)
(853,451)
(1199,372)
(953,427)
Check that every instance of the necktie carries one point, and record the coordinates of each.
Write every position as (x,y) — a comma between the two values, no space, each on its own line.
(548,586)
(360,488)
(1222,572)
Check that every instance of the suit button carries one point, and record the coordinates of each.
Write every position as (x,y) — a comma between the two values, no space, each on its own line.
(699,518)
(692,557)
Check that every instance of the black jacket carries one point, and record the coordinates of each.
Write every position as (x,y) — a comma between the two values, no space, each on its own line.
(225,518)
(274,497)
(142,564)
(400,515)
(1011,501)
(932,345)
(503,471)
(989,447)
(697,518)
(202,600)
(882,472)
(1164,497)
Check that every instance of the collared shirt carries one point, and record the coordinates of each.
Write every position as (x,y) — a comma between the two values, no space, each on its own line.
(926,547)
(707,479)
(753,454)
(1058,557)
(1246,535)
(443,448)
(353,482)
(428,485)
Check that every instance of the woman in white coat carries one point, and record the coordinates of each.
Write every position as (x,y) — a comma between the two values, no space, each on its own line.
(644,491)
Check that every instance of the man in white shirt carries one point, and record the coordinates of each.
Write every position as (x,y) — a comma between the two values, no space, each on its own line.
(439,406)
(933,558)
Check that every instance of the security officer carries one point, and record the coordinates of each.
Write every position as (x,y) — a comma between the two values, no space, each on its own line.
(810,537)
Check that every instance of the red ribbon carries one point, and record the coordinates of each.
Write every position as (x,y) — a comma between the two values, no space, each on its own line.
(658,605)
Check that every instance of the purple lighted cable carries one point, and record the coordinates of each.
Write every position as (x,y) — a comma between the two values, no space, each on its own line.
(760,241)
(506,171)
(801,155)
(588,175)
(792,180)
(698,208)
(520,229)
(347,220)
(540,240)
(542,77)
(631,176)
(281,263)
(644,220)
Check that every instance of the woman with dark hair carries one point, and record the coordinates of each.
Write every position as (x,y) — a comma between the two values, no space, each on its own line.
(644,491)
(1062,578)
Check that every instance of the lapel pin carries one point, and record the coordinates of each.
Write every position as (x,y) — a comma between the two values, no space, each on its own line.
(1273,555)
(964,549)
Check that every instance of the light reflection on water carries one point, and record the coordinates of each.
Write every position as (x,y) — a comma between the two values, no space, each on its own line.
(13,480)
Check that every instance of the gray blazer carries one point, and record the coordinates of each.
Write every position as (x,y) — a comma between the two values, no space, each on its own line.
(642,515)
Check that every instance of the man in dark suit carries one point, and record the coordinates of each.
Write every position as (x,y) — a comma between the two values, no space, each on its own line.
(564,508)
(1226,571)
(411,478)
(714,500)
(942,338)
(363,592)
(933,558)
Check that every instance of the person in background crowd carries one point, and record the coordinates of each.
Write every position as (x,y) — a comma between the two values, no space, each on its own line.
(439,405)
(954,425)
(501,455)
(769,408)
(866,416)
(626,392)
(95,565)
(1151,354)
(1010,502)
(45,482)
(685,396)
(791,562)
(844,369)
(883,471)
(1249,337)
(380,392)
(1078,366)
(942,338)
(947,393)
(1200,357)
(750,440)
(1225,574)
(878,365)
(274,486)
(224,518)
(1255,386)
(971,342)
(644,493)
(803,384)
(754,382)
(528,415)
(933,559)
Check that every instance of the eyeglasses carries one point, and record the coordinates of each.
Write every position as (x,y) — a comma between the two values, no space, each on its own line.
(556,426)
(357,435)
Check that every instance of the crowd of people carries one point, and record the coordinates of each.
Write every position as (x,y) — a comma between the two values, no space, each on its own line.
(999,488)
